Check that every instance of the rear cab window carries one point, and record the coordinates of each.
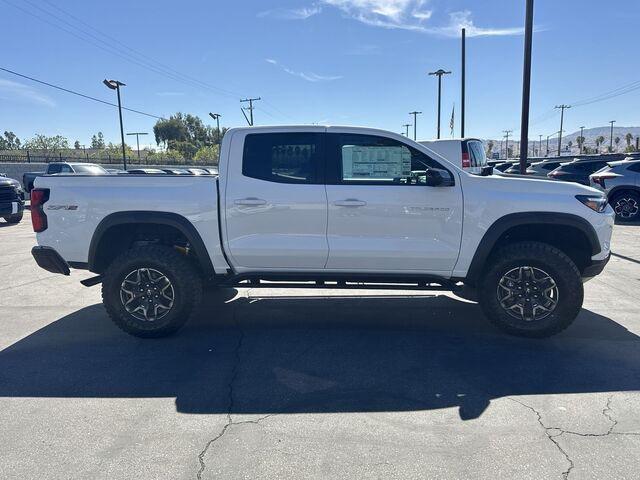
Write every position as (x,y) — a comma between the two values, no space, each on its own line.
(295,157)
(477,154)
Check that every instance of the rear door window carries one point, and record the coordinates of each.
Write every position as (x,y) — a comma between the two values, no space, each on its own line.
(284,157)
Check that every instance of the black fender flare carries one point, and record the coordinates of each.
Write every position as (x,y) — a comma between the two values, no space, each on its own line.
(620,188)
(500,226)
(152,217)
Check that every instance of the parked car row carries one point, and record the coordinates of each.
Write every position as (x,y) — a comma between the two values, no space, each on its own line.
(11,199)
(73,168)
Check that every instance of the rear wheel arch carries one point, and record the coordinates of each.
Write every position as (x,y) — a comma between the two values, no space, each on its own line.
(561,230)
(116,232)
(616,191)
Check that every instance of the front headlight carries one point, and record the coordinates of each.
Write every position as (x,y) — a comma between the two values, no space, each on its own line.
(596,203)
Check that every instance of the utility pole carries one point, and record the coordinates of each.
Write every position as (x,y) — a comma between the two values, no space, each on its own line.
(137,134)
(611,138)
(439,74)
(464,72)
(561,107)
(581,139)
(216,117)
(526,87)
(406,129)
(506,147)
(415,124)
(115,85)
(250,108)
(548,136)
(540,146)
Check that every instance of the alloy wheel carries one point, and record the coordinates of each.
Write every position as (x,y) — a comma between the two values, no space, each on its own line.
(626,207)
(147,294)
(528,293)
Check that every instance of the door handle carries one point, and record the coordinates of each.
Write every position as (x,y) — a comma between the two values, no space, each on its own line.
(250,201)
(350,202)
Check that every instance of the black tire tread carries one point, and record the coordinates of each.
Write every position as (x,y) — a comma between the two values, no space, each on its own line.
(181,267)
(537,252)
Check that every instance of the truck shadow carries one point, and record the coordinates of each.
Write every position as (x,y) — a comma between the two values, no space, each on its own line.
(321,354)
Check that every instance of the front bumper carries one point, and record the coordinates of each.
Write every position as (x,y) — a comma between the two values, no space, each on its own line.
(11,208)
(596,267)
(50,260)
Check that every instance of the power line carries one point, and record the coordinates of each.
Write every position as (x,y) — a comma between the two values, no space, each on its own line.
(73,92)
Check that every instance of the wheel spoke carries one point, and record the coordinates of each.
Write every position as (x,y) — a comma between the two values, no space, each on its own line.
(527,293)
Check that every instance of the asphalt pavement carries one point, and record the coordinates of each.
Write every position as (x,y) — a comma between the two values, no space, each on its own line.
(315,384)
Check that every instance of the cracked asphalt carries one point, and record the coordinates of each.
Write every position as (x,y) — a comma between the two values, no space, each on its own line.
(315,384)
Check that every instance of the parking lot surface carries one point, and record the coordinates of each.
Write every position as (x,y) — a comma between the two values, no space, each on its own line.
(315,384)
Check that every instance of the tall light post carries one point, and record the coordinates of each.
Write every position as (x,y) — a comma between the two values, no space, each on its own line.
(439,74)
(137,134)
(611,137)
(526,87)
(540,146)
(216,117)
(115,85)
(406,129)
(415,124)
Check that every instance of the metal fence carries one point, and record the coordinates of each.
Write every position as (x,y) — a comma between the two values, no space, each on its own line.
(27,157)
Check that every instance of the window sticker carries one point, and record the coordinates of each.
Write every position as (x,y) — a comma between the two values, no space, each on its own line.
(375,162)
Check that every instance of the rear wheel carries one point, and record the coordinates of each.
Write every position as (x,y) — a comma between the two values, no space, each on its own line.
(627,206)
(531,289)
(17,218)
(151,291)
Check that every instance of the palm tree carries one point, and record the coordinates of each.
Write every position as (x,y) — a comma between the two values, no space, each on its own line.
(617,142)
(599,141)
(629,138)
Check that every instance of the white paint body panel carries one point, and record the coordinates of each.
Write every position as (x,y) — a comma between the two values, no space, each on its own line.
(412,229)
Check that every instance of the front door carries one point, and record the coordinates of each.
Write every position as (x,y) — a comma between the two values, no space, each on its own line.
(382,215)
(276,203)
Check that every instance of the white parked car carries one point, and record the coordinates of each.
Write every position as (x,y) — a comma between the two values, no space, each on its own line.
(339,207)
(467,153)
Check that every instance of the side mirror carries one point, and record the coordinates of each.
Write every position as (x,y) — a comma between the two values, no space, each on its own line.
(438,178)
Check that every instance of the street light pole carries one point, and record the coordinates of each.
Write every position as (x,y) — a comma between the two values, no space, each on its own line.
(540,146)
(406,129)
(463,81)
(526,88)
(439,74)
(115,85)
(216,117)
(415,124)
(137,134)
(611,138)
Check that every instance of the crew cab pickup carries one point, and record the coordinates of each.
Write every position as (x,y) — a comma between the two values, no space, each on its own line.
(327,207)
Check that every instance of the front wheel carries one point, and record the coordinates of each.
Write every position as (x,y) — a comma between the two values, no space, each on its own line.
(151,291)
(531,289)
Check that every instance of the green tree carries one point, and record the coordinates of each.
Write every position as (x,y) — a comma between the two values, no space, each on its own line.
(97,141)
(208,155)
(490,146)
(580,141)
(617,142)
(599,140)
(42,142)
(76,144)
(9,141)
(185,133)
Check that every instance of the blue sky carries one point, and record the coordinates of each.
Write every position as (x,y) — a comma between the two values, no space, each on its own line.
(356,62)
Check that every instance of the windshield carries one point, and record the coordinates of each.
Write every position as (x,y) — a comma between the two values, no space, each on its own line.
(89,169)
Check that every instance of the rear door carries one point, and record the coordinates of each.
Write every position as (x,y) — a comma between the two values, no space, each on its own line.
(382,215)
(275,200)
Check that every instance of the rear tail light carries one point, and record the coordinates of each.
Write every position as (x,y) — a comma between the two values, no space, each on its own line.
(466,161)
(39,196)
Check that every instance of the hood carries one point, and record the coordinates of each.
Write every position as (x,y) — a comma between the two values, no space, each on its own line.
(9,181)
(538,185)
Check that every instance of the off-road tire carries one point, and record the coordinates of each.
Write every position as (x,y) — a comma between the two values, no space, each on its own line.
(540,256)
(184,278)
(635,196)
(13,219)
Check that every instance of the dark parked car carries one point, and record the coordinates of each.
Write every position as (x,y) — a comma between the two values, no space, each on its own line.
(68,168)
(577,170)
(11,199)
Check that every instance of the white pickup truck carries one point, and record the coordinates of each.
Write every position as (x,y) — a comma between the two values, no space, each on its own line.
(326,207)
